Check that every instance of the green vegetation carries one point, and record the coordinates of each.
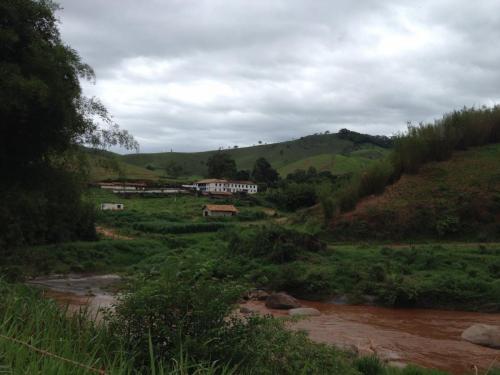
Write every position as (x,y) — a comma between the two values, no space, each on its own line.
(44,113)
(279,155)
(459,130)
(162,328)
(338,164)
(193,279)
(105,165)
(185,273)
(454,199)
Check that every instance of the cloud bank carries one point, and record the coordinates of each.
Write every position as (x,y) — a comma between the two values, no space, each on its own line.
(192,75)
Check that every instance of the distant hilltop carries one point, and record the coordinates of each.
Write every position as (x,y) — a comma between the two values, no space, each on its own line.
(338,153)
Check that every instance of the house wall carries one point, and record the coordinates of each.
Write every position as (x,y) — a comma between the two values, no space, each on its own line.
(229,187)
(112,206)
(216,213)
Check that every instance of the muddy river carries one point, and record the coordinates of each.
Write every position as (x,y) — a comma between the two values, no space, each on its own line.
(429,338)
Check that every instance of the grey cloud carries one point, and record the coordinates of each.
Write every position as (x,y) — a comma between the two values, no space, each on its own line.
(195,75)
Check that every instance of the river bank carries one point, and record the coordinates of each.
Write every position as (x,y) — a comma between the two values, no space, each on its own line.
(429,338)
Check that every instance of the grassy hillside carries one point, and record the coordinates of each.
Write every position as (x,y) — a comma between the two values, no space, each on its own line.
(458,198)
(338,164)
(313,150)
(105,165)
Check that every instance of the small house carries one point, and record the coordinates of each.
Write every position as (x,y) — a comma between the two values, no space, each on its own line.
(112,206)
(219,210)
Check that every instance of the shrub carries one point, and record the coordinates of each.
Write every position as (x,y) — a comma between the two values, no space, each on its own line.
(178,228)
(274,243)
(178,311)
(293,196)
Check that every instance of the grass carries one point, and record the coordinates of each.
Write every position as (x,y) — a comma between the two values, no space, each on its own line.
(338,164)
(457,198)
(280,155)
(435,275)
(37,337)
(166,230)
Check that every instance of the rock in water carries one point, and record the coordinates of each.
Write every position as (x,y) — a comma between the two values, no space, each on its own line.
(257,295)
(246,310)
(281,301)
(483,334)
(304,311)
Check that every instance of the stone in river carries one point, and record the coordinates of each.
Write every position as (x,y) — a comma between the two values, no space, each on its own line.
(281,301)
(304,311)
(483,334)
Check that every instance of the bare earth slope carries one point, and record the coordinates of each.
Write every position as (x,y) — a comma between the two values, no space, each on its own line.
(455,198)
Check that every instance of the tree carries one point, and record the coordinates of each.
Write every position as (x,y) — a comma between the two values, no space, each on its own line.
(220,165)
(264,173)
(173,169)
(44,118)
(242,175)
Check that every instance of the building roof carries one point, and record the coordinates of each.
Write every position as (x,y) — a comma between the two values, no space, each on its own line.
(215,180)
(220,207)
(210,180)
(242,182)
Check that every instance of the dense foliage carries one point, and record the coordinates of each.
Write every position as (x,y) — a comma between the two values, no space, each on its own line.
(43,118)
(422,144)
(301,189)
(275,244)
(221,165)
(263,172)
(357,138)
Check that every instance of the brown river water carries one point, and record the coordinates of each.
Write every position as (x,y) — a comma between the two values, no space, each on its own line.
(429,338)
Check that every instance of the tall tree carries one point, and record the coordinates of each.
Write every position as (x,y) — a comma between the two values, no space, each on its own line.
(220,165)
(43,119)
(264,173)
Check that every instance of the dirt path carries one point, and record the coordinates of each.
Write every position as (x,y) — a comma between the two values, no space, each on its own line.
(111,233)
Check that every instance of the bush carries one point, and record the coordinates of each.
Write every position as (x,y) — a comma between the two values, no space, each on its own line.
(293,196)
(178,228)
(178,311)
(423,144)
(49,211)
(274,243)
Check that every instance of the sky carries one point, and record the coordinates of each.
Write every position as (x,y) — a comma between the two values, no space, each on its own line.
(193,75)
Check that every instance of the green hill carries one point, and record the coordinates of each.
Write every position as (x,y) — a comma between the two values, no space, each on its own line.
(457,198)
(314,150)
(106,165)
(338,164)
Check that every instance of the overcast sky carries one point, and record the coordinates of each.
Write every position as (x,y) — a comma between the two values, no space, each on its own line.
(192,75)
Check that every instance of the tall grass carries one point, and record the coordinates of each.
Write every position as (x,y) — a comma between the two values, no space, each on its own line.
(457,130)
(37,337)
(421,144)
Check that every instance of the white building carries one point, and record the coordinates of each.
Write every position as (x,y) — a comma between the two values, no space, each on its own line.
(225,186)
(112,206)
